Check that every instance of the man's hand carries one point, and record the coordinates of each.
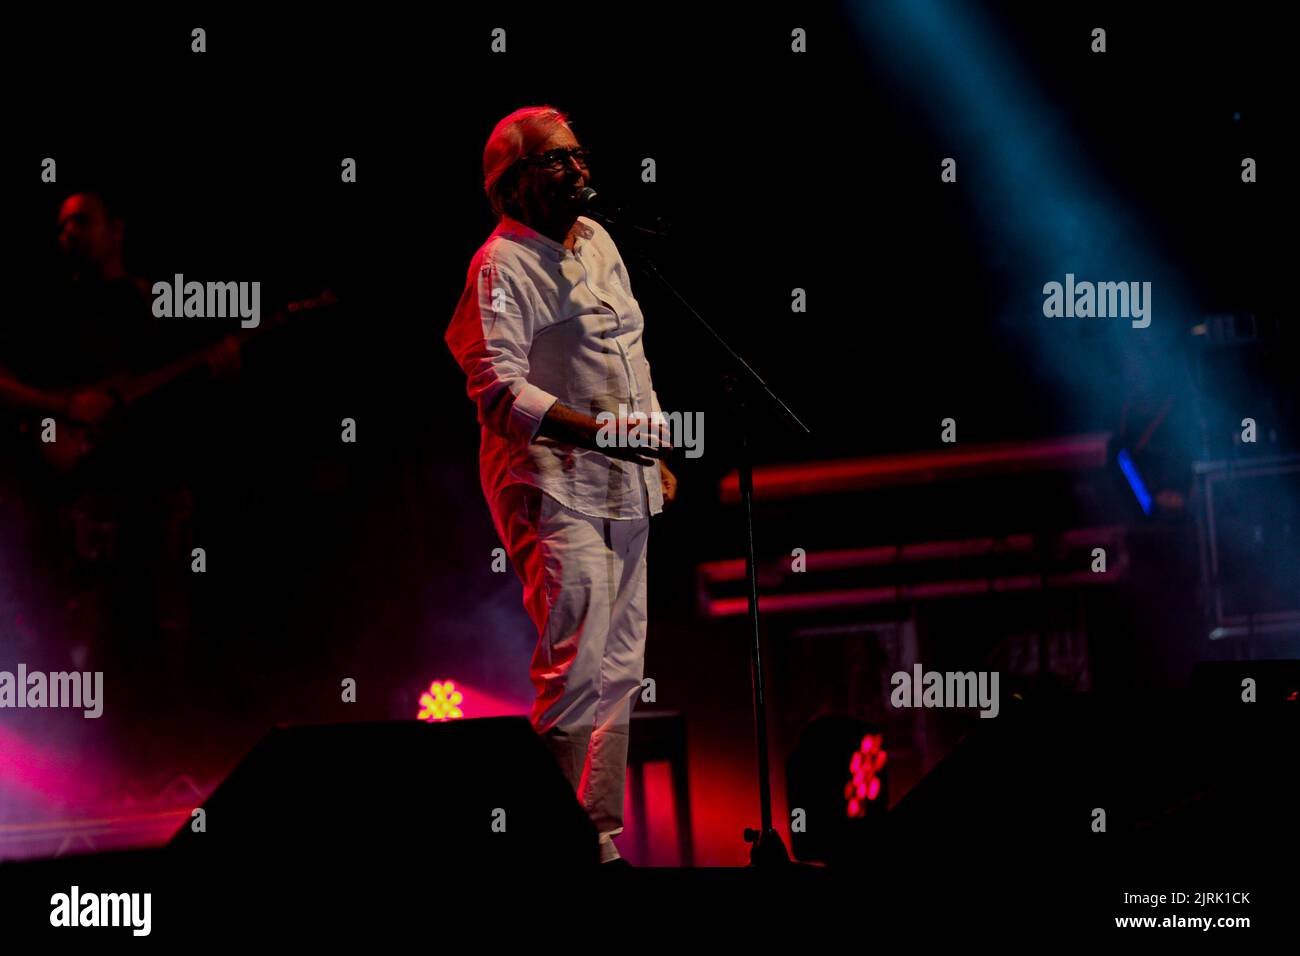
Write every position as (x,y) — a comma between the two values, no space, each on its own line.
(646,442)
(668,481)
(646,439)
(90,406)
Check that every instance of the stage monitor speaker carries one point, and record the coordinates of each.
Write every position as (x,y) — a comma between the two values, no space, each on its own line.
(837,778)
(1250,545)
(440,798)
(1198,771)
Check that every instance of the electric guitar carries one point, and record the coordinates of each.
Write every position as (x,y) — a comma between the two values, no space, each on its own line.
(75,441)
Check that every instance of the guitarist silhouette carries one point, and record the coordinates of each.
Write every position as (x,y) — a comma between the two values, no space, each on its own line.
(109,539)
(102,325)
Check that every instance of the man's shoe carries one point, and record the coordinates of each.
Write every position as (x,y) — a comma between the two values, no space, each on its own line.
(618,861)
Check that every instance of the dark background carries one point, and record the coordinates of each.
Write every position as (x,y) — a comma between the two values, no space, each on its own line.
(777,171)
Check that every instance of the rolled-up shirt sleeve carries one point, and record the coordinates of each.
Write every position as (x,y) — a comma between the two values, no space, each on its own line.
(490,336)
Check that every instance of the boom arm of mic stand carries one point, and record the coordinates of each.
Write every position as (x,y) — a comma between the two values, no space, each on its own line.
(744,370)
(614,219)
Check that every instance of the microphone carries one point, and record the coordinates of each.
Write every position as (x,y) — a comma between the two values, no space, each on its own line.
(595,206)
(592,204)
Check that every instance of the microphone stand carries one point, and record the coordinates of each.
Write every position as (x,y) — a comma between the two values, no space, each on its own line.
(742,386)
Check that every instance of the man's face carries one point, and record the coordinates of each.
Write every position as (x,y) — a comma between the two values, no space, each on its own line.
(549,196)
(87,236)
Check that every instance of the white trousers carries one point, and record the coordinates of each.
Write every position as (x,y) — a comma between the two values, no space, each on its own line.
(584,584)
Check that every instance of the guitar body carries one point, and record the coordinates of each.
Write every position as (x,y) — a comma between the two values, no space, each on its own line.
(72,444)
(74,441)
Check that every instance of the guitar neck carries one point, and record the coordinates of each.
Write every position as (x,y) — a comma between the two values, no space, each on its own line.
(143,386)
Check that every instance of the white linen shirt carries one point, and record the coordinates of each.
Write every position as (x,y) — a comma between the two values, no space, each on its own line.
(536,324)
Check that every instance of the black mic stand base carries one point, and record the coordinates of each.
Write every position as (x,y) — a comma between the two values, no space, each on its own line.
(768,848)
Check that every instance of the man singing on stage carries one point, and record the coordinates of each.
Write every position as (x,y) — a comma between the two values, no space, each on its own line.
(549,337)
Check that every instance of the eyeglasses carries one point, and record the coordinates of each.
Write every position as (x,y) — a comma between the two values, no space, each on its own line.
(556,159)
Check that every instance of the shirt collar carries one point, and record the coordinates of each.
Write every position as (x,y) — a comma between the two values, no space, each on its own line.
(509,226)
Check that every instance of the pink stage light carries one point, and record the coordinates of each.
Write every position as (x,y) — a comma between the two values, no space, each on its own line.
(864,785)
